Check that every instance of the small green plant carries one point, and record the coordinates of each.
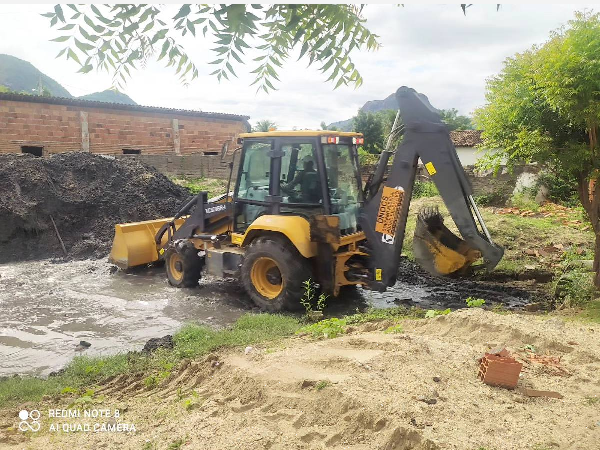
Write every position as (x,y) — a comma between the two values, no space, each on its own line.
(308,298)
(191,403)
(321,385)
(436,312)
(176,444)
(328,328)
(68,390)
(149,445)
(473,302)
(499,308)
(574,288)
(591,401)
(394,329)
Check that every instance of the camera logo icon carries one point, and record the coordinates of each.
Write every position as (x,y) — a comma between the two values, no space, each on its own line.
(29,420)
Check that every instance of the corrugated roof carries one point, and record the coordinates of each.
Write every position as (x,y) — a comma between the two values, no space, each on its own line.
(118,106)
(466,138)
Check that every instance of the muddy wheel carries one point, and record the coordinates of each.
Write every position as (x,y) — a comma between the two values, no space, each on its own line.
(183,268)
(273,272)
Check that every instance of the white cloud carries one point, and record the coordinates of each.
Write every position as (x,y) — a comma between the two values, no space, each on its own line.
(433,48)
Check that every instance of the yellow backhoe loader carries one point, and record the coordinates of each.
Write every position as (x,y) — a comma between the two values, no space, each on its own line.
(299,211)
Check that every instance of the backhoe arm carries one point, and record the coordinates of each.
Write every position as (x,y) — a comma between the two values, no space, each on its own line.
(383,217)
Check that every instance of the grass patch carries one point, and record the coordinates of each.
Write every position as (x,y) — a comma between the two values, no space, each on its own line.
(515,233)
(213,186)
(425,189)
(591,312)
(191,341)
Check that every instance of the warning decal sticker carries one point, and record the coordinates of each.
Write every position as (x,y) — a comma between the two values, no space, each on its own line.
(430,168)
(389,209)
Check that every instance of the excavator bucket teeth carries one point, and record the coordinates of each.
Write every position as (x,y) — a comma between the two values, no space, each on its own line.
(437,249)
(134,244)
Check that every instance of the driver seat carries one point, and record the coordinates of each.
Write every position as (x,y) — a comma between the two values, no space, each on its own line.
(310,188)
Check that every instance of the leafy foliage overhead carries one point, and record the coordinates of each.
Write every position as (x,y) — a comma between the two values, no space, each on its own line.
(117,38)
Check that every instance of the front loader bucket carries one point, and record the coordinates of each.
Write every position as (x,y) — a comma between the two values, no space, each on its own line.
(134,244)
(437,249)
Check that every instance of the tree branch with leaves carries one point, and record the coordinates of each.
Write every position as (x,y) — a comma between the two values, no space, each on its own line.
(118,38)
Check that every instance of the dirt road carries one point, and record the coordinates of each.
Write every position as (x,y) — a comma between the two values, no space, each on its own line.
(364,390)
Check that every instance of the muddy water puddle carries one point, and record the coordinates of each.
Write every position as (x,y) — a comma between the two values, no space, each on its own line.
(47,308)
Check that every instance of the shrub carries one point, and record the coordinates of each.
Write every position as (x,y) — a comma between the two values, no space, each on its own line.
(425,189)
(473,302)
(524,201)
(560,188)
(494,198)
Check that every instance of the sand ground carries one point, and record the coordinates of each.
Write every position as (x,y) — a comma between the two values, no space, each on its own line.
(364,390)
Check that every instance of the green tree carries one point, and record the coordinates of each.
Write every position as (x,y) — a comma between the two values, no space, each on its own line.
(117,38)
(324,126)
(369,124)
(455,121)
(264,125)
(544,107)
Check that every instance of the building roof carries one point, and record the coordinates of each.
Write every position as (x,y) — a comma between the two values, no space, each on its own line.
(466,138)
(118,106)
(300,133)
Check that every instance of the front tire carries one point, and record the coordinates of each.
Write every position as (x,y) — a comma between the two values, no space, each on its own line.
(183,267)
(273,273)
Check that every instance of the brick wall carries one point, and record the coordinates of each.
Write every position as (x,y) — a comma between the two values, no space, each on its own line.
(60,128)
(196,165)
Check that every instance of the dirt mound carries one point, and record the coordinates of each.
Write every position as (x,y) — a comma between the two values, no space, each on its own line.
(366,389)
(85,194)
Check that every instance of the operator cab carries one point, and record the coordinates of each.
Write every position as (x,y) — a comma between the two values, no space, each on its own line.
(304,173)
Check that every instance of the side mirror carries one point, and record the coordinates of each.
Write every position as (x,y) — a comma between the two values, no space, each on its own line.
(224,150)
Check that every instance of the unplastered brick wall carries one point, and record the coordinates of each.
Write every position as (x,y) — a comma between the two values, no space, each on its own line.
(105,130)
(195,165)
(54,127)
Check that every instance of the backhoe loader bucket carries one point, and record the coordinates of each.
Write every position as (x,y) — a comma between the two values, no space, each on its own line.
(437,249)
(134,243)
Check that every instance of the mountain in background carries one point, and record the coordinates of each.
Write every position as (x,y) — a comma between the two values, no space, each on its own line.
(371,106)
(21,76)
(109,96)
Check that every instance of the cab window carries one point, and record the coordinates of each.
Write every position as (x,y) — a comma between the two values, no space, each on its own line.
(343,185)
(299,178)
(253,184)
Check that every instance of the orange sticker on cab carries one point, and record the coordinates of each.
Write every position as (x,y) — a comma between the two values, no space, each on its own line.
(389,210)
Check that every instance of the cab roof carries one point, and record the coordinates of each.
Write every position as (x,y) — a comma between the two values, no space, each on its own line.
(301,133)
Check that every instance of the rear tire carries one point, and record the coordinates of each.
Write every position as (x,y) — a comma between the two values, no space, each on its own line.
(183,267)
(273,273)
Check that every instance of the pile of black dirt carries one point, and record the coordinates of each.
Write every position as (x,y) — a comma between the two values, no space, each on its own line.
(85,195)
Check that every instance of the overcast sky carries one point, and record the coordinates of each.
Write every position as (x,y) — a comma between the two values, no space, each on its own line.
(432,48)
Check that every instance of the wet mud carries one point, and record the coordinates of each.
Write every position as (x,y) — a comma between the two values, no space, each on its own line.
(48,307)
